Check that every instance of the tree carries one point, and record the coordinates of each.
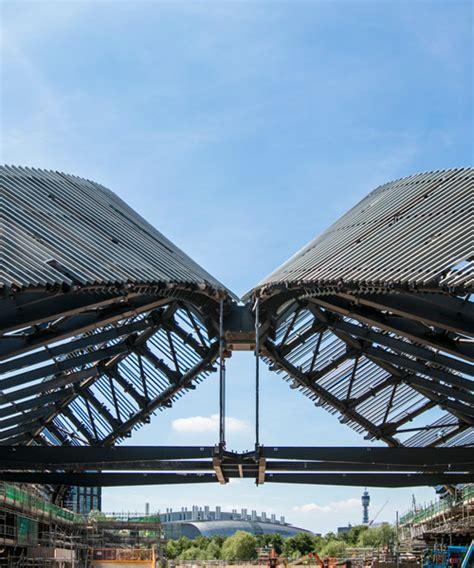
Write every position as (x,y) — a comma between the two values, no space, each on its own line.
(290,549)
(318,543)
(201,542)
(273,540)
(240,546)
(334,548)
(182,544)
(192,553)
(354,535)
(304,543)
(172,550)
(213,551)
(218,539)
(379,536)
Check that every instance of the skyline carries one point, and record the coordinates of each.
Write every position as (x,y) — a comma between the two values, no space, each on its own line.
(241,130)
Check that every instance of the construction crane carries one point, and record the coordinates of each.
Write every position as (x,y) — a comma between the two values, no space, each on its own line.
(377,513)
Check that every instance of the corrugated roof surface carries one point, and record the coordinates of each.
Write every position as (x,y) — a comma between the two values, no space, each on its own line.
(230,527)
(62,229)
(414,232)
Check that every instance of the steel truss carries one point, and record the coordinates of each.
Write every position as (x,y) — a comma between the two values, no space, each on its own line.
(103,321)
(100,365)
(374,319)
(380,361)
(384,467)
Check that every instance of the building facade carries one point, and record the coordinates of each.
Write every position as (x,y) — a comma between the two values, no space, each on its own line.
(203,521)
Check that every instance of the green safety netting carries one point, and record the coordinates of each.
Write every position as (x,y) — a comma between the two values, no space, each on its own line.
(27,501)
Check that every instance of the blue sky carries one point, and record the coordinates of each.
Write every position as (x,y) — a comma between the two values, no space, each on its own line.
(241,130)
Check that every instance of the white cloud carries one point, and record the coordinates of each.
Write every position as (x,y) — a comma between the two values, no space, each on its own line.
(208,424)
(332,507)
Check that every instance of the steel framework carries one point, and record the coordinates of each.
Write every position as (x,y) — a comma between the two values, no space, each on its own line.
(162,465)
(103,321)
(374,319)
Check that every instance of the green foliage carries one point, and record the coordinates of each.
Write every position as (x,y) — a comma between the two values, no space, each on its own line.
(299,545)
(318,542)
(270,540)
(354,535)
(182,544)
(304,543)
(218,539)
(379,536)
(243,546)
(201,542)
(192,553)
(213,551)
(240,546)
(334,548)
(171,549)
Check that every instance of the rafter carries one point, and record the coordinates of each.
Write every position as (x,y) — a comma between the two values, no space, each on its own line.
(326,396)
(413,330)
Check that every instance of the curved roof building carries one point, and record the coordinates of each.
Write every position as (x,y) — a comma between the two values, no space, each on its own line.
(194,529)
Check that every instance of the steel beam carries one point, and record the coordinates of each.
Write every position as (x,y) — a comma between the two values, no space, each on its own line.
(81,323)
(413,330)
(440,310)
(108,479)
(326,396)
(44,307)
(370,455)
(371,479)
(165,397)
(135,479)
(64,456)
(65,365)
(400,346)
(84,342)
(32,403)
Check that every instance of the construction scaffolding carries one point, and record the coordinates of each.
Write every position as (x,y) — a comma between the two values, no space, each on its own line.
(447,521)
(35,533)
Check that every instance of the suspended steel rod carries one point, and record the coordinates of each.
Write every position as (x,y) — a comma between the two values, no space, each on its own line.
(221,377)
(257,374)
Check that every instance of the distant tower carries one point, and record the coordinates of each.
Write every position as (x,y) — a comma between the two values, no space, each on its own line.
(365,507)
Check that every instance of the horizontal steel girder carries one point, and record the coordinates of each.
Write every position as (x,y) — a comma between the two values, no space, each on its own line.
(83,457)
(232,467)
(129,479)
(371,479)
